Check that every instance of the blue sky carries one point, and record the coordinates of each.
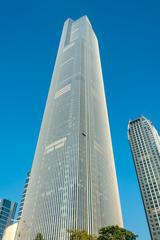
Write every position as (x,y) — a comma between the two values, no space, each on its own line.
(129,37)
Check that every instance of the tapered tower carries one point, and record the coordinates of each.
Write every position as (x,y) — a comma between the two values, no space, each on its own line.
(73,182)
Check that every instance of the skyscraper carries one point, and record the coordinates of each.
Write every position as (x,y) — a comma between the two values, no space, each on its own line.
(145,145)
(23,196)
(73,182)
(7,212)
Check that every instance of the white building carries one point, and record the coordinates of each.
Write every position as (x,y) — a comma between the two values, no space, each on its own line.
(145,145)
(73,182)
(10,232)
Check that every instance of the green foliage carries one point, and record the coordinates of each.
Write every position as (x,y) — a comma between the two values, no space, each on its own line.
(39,236)
(106,233)
(81,235)
(115,233)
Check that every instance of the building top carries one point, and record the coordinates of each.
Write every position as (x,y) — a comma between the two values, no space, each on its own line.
(137,119)
(81,18)
(6,202)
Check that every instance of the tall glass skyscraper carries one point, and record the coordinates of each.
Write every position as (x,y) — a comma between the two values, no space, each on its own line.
(7,213)
(73,182)
(145,145)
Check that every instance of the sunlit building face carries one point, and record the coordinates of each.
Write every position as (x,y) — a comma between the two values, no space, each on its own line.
(73,182)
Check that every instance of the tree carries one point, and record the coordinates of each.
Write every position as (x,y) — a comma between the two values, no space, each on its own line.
(115,233)
(39,236)
(81,235)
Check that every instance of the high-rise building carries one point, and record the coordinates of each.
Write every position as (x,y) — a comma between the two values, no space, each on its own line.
(73,181)
(7,213)
(23,196)
(145,145)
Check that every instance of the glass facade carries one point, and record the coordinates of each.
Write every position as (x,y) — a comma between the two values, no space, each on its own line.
(145,146)
(73,182)
(7,213)
(23,196)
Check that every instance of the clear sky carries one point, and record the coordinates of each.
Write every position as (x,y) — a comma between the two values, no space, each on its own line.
(129,39)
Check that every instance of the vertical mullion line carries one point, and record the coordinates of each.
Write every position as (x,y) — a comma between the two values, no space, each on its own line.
(90,150)
(86,120)
(64,193)
(57,207)
(58,197)
(46,212)
(80,112)
(60,219)
(65,225)
(78,148)
(77,157)
(81,148)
